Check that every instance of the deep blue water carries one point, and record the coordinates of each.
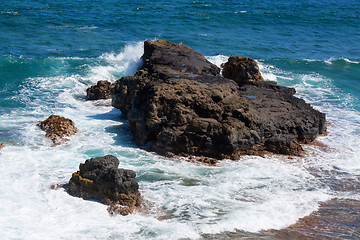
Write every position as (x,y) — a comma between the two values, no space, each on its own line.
(51,51)
(261,29)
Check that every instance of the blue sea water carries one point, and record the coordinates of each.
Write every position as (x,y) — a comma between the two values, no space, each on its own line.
(51,51)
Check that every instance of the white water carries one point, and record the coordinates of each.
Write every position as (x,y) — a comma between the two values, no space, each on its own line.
(252,194)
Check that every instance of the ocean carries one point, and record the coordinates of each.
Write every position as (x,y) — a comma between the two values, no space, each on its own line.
(51,51)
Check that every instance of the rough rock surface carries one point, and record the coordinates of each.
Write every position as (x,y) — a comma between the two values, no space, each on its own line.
(58,128)
(100,178)
(242,70)
(2,145)
(179,101)
(102,90)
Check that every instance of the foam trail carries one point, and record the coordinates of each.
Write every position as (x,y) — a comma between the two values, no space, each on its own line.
(334,60)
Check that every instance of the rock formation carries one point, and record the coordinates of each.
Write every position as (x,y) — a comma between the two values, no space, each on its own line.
(179,101)
(2,145)
(242,70)
(102,90)
(100,179)
(58,129)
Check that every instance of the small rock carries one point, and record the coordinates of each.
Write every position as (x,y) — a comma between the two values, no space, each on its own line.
(102,90)
(242,70)
(2,145)
(58,129)
(207,161)
(100,178)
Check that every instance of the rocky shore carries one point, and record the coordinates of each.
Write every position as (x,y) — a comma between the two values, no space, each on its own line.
(179,102)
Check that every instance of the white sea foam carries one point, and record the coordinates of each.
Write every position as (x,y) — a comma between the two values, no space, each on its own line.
(334,59)
(267,71)
(124,63)
(240,12)
(88,27)
(252,194)
(218,59)
(9,13)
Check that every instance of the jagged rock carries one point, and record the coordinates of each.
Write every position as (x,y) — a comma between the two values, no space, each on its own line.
(242,70)
(165,59)
(2,145)
(178,101)
(100,178)
(124,91)
(102,90)
(58,128)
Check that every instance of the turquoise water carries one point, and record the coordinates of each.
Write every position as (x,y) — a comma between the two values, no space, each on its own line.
(51,51)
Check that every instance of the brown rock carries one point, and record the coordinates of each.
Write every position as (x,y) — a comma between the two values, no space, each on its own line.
(100,178)
(102,90)
(58,128)
(2,145)
(242,70)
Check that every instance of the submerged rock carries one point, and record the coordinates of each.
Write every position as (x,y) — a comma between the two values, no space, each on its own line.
(334,219)
(58,128)
(102,90)
(100,179)
(179,101)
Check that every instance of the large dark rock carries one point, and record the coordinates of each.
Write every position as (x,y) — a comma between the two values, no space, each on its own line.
(58,129)
(102,90)
(178,101)
(100,178)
